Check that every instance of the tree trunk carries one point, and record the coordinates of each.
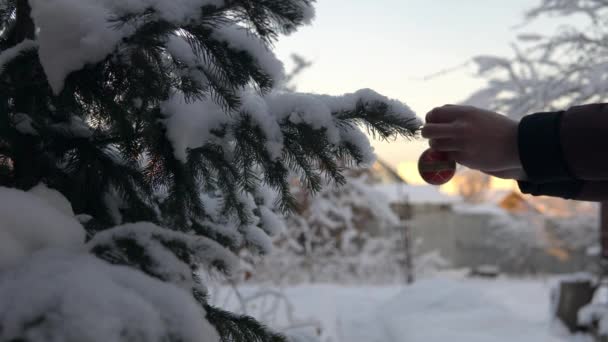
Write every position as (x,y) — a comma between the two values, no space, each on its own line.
(24,27)
(407,241)
(604,236)
(26,169)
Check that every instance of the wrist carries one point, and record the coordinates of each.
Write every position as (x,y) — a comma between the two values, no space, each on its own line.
(540,149)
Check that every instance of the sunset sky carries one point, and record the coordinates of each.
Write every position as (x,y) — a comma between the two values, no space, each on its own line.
(391,45)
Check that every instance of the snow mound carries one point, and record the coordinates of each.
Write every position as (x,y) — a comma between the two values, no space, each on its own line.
(443,308)
(54,198)
(33,221)
(82,298)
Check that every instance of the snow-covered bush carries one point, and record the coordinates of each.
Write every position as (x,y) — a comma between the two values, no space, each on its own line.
(344,234)
(166,112)
(537,244)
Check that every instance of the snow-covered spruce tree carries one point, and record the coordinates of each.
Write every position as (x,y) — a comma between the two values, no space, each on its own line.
(168,112)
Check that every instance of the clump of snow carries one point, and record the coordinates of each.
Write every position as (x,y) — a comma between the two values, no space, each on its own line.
(84,33)
(256,107)
(263,221)
(240,38)
(190,124)
(164,261)
(252,233)
(182,52)
(9,54)
(595,313)
(318,111)
(82,36)
(258,238)
(272,223)
(63,296)
(357,138)
(308,12)
(366,96)
(227,228)
(54,198)
(303,108)
(35,221)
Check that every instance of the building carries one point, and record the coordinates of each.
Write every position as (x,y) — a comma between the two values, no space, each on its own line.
(508,229)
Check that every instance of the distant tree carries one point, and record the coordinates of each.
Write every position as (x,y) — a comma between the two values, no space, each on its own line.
(300,65)
(548,73)
(344,234)
(551,72)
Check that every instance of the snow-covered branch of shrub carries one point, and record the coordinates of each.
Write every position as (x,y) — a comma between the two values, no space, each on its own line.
(550,72)
(344,234)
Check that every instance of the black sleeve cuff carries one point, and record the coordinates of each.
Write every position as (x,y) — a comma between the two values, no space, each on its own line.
(540,148)
(565,189)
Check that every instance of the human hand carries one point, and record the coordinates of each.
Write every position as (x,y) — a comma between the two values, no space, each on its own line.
(476,138)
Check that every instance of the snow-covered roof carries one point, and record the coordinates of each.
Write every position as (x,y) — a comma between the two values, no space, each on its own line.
(416,194)
(480,209)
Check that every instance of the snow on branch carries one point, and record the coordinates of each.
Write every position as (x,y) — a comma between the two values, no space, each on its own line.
(9,54)
(85,36)
(591,8)
(164,254)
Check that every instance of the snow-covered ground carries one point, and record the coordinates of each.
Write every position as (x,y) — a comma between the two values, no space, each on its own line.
(444,308)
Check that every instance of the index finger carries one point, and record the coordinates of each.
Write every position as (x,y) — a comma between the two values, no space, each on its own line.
(439,130)
(445,114)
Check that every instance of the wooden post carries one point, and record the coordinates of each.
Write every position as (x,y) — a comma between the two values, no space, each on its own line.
(573,296)
(407,242)
(604,238)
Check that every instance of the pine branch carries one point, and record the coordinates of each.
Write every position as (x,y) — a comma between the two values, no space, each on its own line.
(377,118)
(237,328)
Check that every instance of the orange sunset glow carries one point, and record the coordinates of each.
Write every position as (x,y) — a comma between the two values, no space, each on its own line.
(409,172)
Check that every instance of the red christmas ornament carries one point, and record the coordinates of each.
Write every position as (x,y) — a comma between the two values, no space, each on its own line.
(436,168)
